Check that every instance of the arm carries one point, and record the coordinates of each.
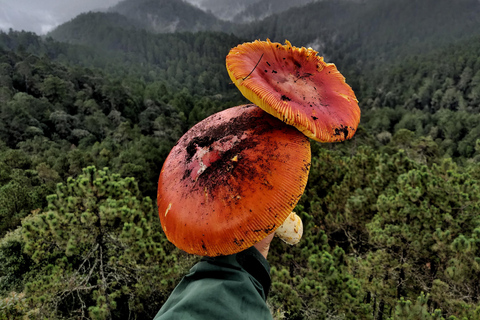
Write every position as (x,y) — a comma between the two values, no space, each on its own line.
(226,287)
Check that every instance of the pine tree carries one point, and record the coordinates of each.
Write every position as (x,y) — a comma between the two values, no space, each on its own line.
(98,251)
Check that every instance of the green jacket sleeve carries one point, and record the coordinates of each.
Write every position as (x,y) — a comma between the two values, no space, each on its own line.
(227,287)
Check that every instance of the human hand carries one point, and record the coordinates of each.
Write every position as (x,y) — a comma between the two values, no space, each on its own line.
(264,245)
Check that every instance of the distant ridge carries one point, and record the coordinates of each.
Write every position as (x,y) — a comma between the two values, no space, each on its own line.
(84,26)
(162,16)
(265,8)
(354,34)
(225,10)
(373,29)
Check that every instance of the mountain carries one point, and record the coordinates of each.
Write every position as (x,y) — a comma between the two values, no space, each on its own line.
(264,8)
(183,59)
(247,10)
(357,32)
(391,216)
(42,16)
(92,24)
(225,10)
(162,16)
(357,35)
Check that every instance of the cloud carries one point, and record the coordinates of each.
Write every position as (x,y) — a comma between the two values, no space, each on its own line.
(12,17)
(41,16)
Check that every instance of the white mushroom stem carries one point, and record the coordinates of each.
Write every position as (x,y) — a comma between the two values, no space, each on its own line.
(291,230)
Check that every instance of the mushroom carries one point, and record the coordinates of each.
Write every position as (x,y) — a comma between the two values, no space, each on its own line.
(296,86)
(231,180)
(291,230)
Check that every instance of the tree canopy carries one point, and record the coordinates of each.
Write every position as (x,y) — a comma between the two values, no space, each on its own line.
(392,229)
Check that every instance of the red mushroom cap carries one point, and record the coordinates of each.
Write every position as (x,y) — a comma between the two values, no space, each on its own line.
(296,86)
(231,180)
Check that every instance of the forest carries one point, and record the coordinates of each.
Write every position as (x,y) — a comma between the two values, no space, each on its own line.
(89,112)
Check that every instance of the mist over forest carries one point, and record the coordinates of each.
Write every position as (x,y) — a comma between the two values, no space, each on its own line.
(90,110)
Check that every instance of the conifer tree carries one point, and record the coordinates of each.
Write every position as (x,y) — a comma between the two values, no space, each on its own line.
(98,251)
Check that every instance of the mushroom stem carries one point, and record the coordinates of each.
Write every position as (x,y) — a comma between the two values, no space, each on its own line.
(291,230)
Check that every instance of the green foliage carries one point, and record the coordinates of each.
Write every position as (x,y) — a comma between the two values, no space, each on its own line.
(15,264)
(53,109)
(430,96)
(406,310)
(391,217)
(312,281)
(405,227)
(422,220)
(97,251)
(14,306)
(360,34)
(22,189)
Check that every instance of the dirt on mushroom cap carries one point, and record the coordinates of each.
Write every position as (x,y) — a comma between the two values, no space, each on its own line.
(230,181)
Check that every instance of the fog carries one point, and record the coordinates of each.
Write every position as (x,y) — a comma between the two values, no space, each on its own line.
(41,16)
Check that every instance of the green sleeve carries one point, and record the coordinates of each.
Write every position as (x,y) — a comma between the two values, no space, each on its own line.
(227,287)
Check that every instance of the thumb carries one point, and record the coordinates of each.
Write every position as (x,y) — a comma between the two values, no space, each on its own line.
(264,245)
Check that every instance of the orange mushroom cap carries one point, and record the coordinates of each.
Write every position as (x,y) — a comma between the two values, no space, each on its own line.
(231,180)
(296,86)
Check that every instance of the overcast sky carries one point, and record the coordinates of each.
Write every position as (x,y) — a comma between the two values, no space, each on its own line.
(41,16)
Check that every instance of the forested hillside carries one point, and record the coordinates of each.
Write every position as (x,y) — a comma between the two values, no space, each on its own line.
(224,10)
(264,8)
(137,54)
(89,113)
(49,110)
(169,16)
(366,33)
